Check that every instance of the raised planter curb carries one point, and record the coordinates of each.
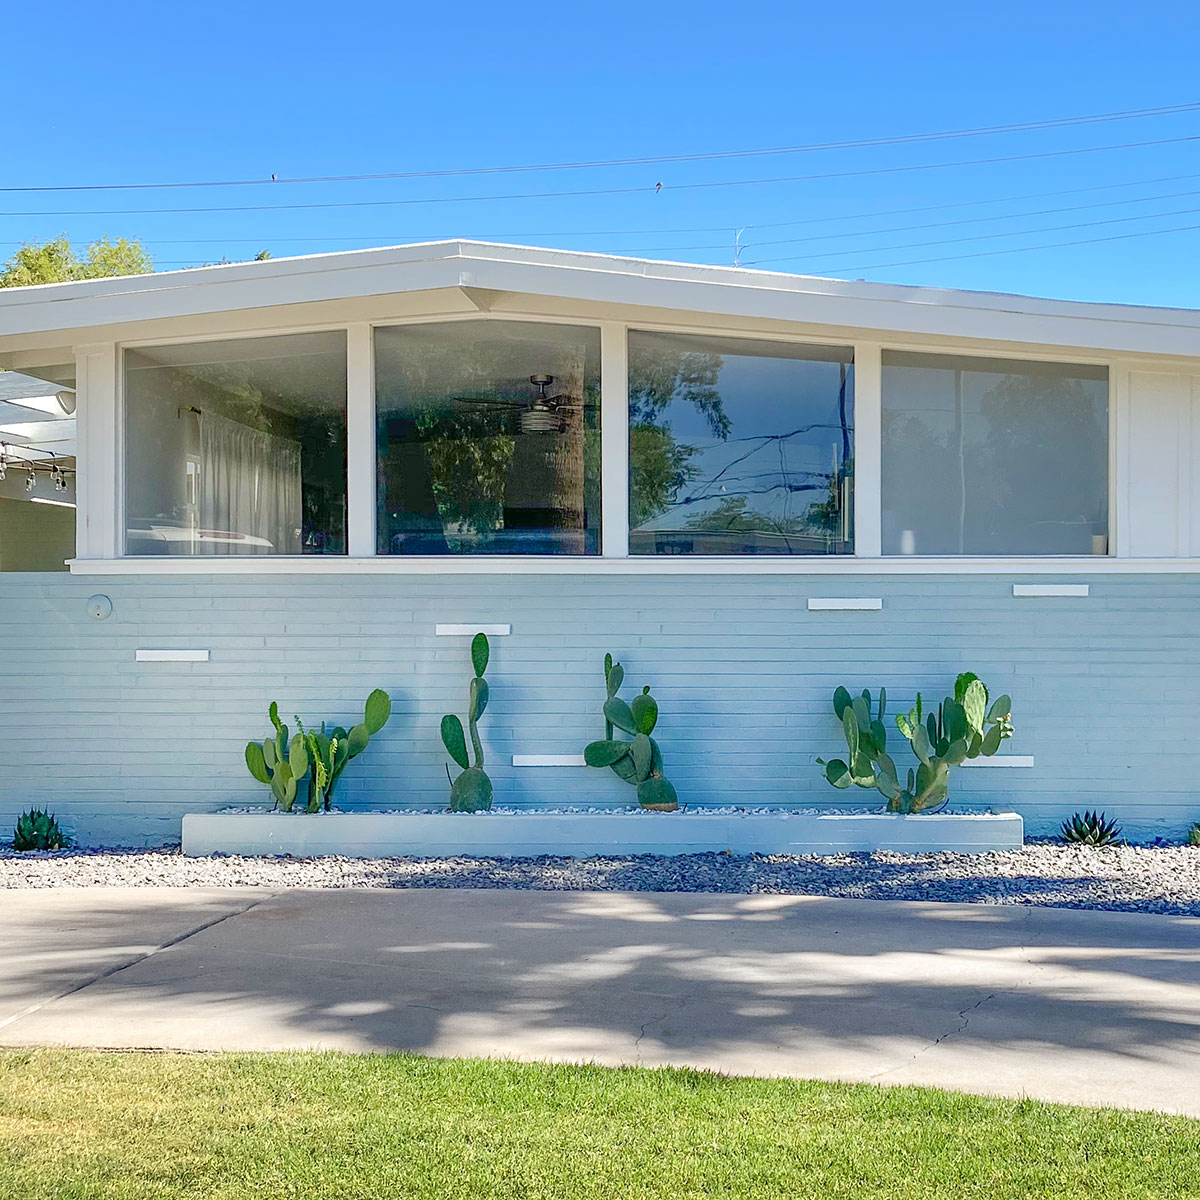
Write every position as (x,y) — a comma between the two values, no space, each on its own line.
(522,835)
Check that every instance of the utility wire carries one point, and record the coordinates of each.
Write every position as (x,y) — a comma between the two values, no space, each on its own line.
(1115,237)
(640,190)
(914,245)
(1037,212)
(946,258)
(395,238)
(712,156)
(984,237)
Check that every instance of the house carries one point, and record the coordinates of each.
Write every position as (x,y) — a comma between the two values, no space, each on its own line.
(300,479)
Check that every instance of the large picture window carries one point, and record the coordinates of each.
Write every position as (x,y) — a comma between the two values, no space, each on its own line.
(37,470)
(237,447)
(993,457)
(488,438)
(739,446)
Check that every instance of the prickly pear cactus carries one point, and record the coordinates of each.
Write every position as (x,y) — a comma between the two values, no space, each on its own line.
(278,762)
(962,726)
(320,755)
(472,790)
(637,761)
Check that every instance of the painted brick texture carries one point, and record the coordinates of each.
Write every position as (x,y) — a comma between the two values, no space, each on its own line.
(1103,687)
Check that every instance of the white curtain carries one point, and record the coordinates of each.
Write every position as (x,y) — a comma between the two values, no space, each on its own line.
(249,490)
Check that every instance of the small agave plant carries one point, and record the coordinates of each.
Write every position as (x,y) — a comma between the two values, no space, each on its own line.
(1090,829)
(38,830)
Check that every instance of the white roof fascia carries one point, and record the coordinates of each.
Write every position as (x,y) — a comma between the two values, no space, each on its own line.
(599,278)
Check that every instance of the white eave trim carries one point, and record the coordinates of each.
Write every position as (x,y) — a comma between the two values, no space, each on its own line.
(671,565)
(608,279)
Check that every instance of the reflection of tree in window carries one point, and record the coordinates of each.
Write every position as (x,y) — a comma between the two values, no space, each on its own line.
(660,466)
(738,447)
(477,457)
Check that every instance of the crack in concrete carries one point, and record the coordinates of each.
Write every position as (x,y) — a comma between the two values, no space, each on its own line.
(643,1032)
(964,1014)
(117,968)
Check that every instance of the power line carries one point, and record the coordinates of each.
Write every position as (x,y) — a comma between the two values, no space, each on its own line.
(711,156)
(1037,212)
(1115,237)
(1118,237)
(983,237)
(640,190)
(914,245)
(395,238)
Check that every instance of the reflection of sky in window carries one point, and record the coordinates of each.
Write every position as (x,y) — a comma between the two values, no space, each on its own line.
(784,442)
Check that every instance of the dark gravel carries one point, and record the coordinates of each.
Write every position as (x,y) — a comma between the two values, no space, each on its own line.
(1156,879)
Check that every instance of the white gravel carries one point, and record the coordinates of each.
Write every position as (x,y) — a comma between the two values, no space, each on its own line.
(1156,879)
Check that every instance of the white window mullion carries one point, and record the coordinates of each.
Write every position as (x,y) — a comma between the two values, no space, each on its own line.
(360,442)
(614,440)
(868,450)
(98,457)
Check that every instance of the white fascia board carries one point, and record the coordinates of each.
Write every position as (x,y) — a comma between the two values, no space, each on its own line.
(202,294)
(720,291)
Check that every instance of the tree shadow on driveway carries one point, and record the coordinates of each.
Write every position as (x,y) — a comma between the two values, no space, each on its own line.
(1100,1007)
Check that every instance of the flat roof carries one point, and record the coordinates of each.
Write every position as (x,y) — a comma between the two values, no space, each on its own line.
(611,279)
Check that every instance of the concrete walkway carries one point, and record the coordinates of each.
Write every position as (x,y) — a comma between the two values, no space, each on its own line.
(1088,1007)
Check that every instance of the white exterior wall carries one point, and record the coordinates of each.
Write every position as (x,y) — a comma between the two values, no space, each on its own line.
(1160,481)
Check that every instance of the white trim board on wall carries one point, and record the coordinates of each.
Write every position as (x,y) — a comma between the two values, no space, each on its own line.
(472,630)
(846,604)
(170,656)
(1000,760)
(1050,589)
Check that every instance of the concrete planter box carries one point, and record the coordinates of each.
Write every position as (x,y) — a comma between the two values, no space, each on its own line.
(434,835)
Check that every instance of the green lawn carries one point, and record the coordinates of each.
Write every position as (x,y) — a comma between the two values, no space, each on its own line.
(243,1126)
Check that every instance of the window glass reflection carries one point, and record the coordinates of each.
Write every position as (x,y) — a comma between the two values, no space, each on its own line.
(739,446)
(488,438)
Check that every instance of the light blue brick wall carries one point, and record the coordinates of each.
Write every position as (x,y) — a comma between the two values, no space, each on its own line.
(1104,688)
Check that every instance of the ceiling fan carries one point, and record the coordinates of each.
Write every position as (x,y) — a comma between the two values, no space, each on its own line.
(541,414)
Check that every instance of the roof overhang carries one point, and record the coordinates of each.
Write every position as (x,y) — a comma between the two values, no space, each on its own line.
(479,270)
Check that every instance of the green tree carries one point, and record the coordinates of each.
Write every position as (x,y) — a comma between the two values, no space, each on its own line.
(57,261)
(660,467)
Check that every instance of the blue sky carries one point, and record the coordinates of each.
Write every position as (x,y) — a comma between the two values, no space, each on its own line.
(141,92)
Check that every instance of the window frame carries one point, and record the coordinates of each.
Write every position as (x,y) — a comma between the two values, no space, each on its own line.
(119,429)
(101,460)
(1115,400)
(851,344)
(612,415)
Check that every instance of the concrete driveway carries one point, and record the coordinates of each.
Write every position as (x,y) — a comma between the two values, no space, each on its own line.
(1095,1008)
